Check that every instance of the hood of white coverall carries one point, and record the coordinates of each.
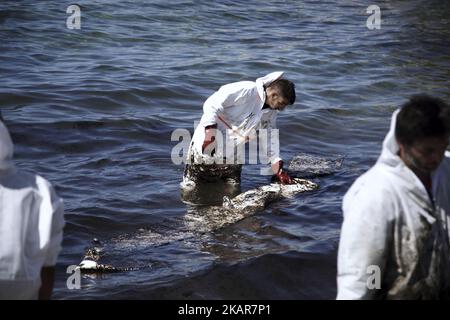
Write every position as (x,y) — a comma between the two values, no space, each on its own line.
(6,149)
(267,80)
(389,155)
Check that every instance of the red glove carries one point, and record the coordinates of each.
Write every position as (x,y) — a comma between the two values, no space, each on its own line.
(209,138)
(206,143)
(282,176)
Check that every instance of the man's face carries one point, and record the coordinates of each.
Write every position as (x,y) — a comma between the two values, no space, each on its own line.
(275,100)
(424,155)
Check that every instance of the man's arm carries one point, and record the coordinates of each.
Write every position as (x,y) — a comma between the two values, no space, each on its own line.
(208,143)
(273,151)
(270,142)
(47,279)
(277,166)
(51,227)
(366,238)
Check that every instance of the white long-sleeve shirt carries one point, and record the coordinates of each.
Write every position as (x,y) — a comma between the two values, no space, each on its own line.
(240,104)
(390,223)
(31,226)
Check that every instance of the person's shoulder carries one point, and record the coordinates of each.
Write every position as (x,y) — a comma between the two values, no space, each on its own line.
(44,185)
(446,159)
(376,178)
(34,181)
(21,179)
(372,187)
(17,178)
(445,164)
(240,85)
(48,193)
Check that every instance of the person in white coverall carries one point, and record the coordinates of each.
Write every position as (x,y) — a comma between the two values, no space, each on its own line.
(240,108)
(31,229)
(395,236)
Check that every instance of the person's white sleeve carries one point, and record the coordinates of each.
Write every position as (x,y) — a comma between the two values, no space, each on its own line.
(444,187)
(272,147)
(51,222)
(366,237)
(226,96)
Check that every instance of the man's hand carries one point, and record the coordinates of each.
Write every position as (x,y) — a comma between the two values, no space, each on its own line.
(284,178)
(281,176)
(210,132)
(47,279)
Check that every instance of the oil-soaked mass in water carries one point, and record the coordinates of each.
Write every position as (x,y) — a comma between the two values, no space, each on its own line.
(198,221)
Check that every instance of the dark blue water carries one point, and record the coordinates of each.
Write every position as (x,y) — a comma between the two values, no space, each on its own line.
(93,111)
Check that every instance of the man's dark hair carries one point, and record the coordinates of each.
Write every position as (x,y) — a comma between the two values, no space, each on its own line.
(286,88)
(422,117)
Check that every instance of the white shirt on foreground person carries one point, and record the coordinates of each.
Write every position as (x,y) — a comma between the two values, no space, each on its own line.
(31,228)
(391,223)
